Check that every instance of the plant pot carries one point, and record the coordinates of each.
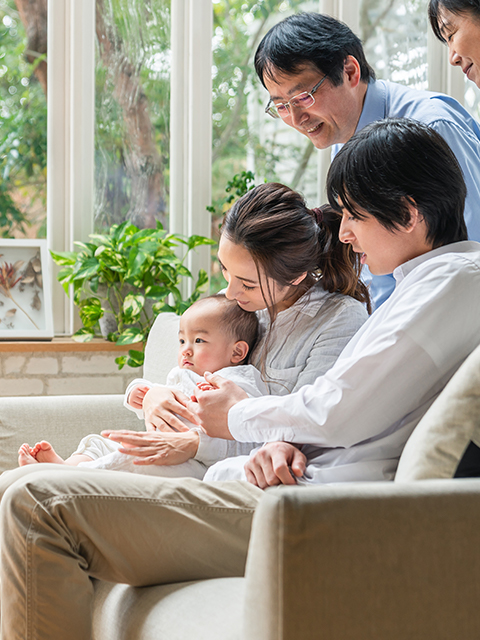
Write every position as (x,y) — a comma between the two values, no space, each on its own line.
(108,323)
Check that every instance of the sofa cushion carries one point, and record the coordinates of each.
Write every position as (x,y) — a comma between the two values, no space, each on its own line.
(62,420)
(204,610)
(162,348)
(437,447)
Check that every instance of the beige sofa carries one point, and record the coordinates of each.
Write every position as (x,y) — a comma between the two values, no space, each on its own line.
(378,561)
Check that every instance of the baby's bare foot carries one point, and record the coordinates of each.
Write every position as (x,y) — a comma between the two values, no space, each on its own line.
(25,456)
(44,452)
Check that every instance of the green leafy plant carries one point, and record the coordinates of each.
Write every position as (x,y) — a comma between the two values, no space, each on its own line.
(236,187)
(128,276)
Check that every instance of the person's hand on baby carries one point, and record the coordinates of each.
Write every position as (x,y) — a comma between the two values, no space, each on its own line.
(212,404)
(161,408)
(155,447)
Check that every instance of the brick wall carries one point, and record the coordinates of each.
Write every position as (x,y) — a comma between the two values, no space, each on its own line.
(62,368)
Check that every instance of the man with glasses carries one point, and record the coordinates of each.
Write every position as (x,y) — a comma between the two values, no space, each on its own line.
(321,84)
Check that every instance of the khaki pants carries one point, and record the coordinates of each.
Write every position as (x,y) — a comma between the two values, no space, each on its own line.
(61,526)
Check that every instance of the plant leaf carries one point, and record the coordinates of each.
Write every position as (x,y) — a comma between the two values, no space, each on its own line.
(129,336)
(83,335)
(132,306)
(136,358)
(121,361)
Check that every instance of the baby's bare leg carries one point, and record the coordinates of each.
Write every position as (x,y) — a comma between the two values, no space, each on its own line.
(76,458)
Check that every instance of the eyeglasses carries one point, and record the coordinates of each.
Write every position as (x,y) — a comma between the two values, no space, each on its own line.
(303,100)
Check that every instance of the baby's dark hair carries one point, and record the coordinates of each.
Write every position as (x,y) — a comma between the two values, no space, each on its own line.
(238,323)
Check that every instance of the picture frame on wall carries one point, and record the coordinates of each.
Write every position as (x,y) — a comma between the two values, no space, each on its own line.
(25,291)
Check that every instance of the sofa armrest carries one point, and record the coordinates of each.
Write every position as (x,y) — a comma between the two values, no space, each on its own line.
(62,420)
(379,560)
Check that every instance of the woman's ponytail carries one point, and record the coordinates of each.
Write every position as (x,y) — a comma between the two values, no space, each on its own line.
(338,263)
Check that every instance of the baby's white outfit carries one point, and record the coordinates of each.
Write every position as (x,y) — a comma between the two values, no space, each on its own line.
(104,452)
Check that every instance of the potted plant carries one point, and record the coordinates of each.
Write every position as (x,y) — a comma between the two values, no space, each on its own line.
(128,276)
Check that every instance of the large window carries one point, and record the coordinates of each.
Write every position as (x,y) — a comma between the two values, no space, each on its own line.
(117,152)
(245,139)
(23,119)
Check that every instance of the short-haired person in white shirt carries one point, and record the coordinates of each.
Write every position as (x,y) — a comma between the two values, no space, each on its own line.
(399,193)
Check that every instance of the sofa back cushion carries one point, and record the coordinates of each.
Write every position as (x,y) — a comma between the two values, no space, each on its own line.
(161,348)
(448,436)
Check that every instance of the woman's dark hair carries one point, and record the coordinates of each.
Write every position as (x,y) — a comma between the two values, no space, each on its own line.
(397,162)
(460,7)
(312,38)
(285,241)
(235,321)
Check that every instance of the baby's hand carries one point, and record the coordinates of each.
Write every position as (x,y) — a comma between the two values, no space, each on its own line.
(205,386)
(137,394)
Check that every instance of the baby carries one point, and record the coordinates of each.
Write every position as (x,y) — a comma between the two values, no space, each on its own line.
(215,335)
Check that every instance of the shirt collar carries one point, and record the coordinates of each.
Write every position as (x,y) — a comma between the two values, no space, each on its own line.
(404,269)
(374,105)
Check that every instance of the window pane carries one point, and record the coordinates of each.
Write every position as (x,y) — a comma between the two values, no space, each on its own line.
(472,97)
(394,35)
(244,137)
(23,119)
(132,112)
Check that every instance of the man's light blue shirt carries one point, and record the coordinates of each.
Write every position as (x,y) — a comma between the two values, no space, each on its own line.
(447,116)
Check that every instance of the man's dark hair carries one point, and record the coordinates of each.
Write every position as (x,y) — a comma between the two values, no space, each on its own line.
(395,162)
(312,38)
(460,7)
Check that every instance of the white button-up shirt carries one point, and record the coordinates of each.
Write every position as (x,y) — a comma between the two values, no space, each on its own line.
(354,420)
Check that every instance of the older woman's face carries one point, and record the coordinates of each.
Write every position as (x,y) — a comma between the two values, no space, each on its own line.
(462,34)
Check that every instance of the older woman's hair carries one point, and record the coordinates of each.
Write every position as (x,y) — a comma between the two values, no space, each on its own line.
(468,8)
(286,239)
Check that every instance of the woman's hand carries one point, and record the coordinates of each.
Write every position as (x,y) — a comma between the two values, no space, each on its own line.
(154,447)
(275,463)
(214,403)
(160,406)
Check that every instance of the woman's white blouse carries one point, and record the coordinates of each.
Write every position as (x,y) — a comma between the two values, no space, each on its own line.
(306,339)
